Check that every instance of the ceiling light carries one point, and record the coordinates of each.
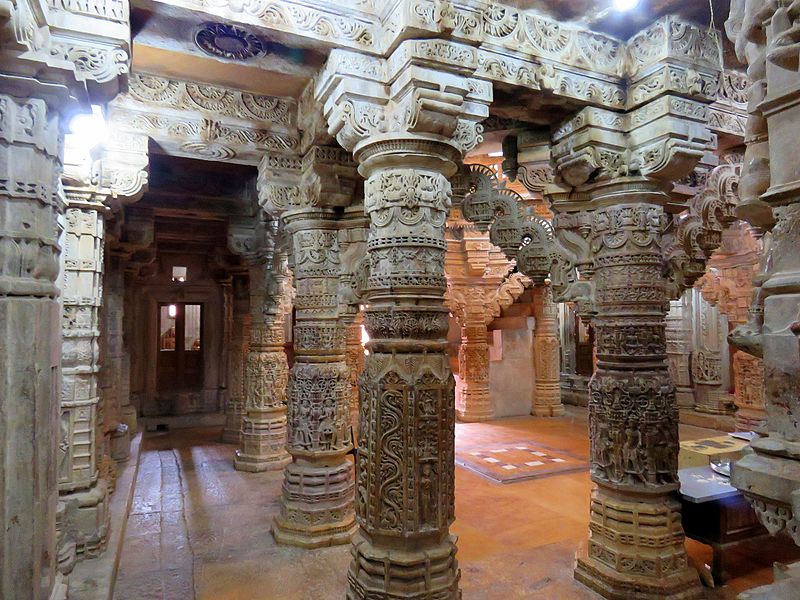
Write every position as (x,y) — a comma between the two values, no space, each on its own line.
(625,5)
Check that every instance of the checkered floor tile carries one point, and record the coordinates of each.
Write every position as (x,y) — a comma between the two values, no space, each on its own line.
(507,463)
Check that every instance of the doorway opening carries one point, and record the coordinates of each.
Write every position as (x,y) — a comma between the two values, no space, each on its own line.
(180,348)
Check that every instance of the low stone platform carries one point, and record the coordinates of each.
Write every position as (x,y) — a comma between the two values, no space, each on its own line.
(94,579)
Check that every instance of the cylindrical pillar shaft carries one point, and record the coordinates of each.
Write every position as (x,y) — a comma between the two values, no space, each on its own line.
(318,486)
(546,355)
(636,538)
(263,438)
(240,333)
(29,365)
(472,398)
(405,469)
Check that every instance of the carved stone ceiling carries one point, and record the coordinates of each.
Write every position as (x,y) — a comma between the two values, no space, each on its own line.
(198,189)
(164,44)
(290,41)
(189,204)
(198,120)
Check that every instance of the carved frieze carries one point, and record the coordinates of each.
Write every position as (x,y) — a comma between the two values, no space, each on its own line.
(214,100)
(205,121)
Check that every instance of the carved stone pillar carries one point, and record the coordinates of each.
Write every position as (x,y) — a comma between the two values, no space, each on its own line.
(473,402)
(82,487)
(115,359)
(317,499)
(354,358)
(710,396)
(240,333)
(766,35)
(546,354)
(124,173)
(636,539)
(29,324)
(263,437)
(679,348)
(476,293)
(729,283)
(353,227)
(408,139)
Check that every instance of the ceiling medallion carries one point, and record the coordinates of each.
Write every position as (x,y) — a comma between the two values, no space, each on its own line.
(228,41)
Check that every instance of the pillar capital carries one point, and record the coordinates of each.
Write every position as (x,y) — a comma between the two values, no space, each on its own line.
(324,177)
(420,104)
(604,154)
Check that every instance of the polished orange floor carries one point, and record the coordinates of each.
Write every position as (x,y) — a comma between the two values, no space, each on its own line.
(198,529)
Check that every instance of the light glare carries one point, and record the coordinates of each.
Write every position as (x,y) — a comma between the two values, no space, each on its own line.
(625,5)
(89,130)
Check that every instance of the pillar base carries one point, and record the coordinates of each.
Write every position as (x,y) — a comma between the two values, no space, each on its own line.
(750,420)
(87,519)
(547,399)
(231,436)
(609,583)
(636,546)
(714,402)
(556,410)
(316,506)
(263,445)
(127,415)
(474,416)
(60,588)
(254,463)
(120,443)
(684,397)
(708,420)
(322,536)
(473,403)
(430,572)
(234,417)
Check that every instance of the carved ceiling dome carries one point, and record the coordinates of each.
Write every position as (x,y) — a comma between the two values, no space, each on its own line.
(227,41)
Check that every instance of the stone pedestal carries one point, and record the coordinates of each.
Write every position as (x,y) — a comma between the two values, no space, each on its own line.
(546,355)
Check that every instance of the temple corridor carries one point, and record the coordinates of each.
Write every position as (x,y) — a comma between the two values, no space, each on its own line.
(198,529)
(399,299)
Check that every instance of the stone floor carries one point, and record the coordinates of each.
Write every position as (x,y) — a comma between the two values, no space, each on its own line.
(198,529)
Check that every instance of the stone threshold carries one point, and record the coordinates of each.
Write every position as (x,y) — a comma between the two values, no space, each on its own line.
(94,579)
(182,421)
(689,416)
